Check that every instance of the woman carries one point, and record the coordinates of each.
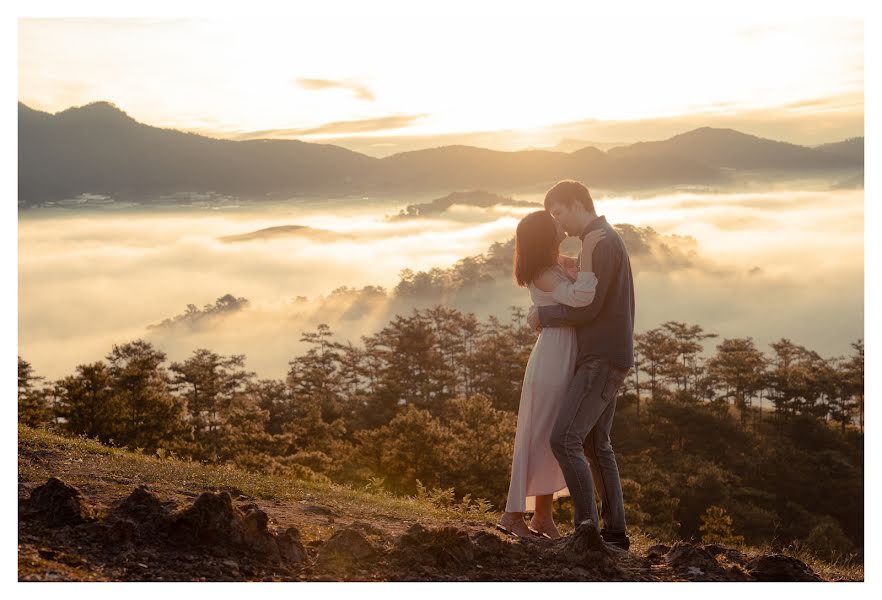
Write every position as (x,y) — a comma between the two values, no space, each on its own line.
(536,478)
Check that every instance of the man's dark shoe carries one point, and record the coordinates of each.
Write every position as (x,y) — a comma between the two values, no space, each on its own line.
(619,539)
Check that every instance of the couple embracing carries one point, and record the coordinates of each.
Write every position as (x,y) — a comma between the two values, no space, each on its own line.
(584,310)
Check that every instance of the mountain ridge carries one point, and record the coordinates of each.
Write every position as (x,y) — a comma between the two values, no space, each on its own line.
(60,156)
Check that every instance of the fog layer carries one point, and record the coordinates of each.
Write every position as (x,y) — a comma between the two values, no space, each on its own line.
(766,264)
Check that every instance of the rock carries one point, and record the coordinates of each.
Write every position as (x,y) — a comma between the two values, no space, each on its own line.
(318,510)
(232,565)
(779,567)
(122,532)
(736,572)
(143,507)
(657,551)
(215,524)
(487,543)
(48,553)
(581,573)
(369,529)
(733,556)
(291,549)
(257,535)
(694,572)
(212,521)
(714,549)
(140,516)
(444,547)
(59,503)
(345,549)
(684,555)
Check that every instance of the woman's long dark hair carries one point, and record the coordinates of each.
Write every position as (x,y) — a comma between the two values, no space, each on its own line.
(536,246)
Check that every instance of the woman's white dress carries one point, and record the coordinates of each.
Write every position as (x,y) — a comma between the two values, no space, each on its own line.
(534,469)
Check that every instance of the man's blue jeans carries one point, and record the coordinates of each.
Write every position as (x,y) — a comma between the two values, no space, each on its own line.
(580,442)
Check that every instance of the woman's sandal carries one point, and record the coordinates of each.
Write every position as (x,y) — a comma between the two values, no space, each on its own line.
(506,531)
(539,533)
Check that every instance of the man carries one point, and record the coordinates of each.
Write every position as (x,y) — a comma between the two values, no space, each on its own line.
(605,334)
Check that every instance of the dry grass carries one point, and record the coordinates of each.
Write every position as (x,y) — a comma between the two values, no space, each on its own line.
(111,464)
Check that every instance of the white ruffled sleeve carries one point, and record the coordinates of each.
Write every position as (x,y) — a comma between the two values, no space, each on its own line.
(577,293)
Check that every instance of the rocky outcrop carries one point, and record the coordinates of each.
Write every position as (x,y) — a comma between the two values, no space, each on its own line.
(58,504)
(779,567)
(215,538)
(213,522)
(346,549)
(445,547)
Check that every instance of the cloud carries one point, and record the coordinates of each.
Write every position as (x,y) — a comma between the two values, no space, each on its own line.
(336,127)
(90,279)
(806,122)
(361,91)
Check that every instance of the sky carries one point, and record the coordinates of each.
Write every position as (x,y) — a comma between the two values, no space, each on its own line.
(527,80)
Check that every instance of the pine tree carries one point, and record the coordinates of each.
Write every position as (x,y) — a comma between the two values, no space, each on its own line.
(142,384)
(659,353)
(88,405)
(209,384)
(738,367)
(481,445)
(687,344)
(716,527)
(33,408)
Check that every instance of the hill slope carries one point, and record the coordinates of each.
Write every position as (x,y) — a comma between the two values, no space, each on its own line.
(99,149)
(727,148)
(852,148)
(117,515)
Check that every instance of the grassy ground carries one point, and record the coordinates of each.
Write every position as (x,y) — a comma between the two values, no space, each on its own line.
(125,467)
(106,475)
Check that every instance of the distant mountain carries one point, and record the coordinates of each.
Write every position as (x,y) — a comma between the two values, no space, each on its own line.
(571,145)
(727,148)
(99,149)
(852,148)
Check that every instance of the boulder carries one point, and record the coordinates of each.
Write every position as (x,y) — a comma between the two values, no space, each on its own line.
(291,549)
(215,524)
(443,547)
(211,521)
(779,567)
(684,555)
(59,504)
(346,550)
(657,551)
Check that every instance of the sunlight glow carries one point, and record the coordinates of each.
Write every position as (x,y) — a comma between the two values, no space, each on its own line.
(229,77)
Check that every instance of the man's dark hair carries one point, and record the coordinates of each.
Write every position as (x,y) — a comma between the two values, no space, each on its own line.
(568,192)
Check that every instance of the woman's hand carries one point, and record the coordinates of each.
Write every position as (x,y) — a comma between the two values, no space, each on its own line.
(589,242)
(592,239)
